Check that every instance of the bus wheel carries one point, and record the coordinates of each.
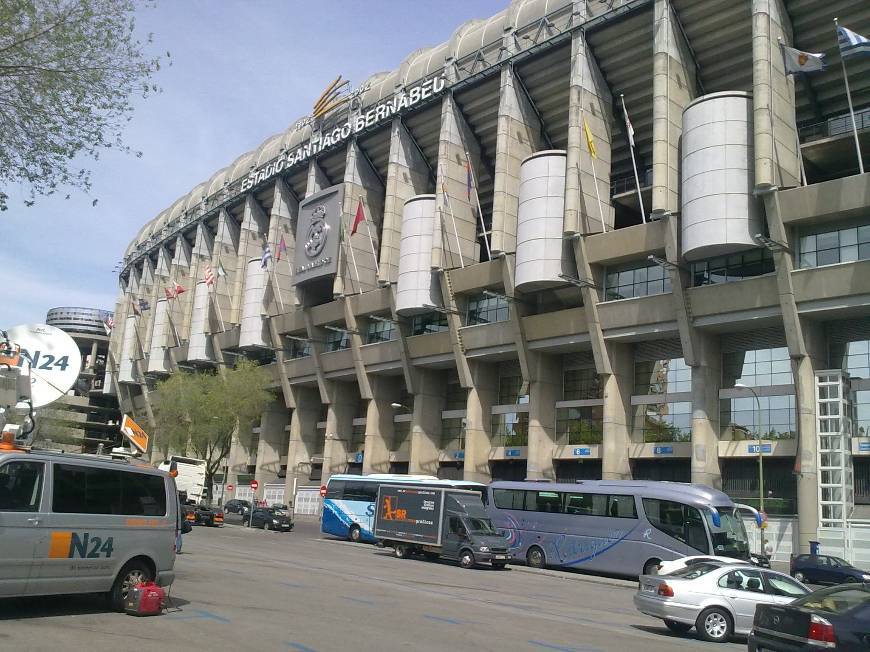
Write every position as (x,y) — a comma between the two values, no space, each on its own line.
(402,551)
(466,559)
(355,534)
(651,567)
(535,557)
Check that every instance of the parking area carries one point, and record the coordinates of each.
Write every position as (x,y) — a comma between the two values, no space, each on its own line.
(238,588)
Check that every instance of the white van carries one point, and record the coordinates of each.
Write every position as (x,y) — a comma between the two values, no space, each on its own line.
(83,524)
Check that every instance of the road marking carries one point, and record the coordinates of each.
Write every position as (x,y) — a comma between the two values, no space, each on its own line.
(442,619)
(198,614)
(300,647)
(359,600)
(559,648)
(294,585)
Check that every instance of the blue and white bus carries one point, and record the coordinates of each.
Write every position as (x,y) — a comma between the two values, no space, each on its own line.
(349,505)
(623,527)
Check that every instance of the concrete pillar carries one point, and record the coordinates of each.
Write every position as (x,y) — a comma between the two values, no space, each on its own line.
(590,99)
(407,175)
(339,428)
(482,395)
(303,435)
(280,295)
(224,256)
(773,103)
(317,180)
(273,441)
(239,456)
(92,357)
(617,412)
(544,390)
(181,272)
(379,423)
(426,422)
(706,380)
(252,237)
(674,85)
(148,291)
(455,140)
(518,136)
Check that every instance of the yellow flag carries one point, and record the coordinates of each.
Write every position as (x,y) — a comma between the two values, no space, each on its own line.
(590,142)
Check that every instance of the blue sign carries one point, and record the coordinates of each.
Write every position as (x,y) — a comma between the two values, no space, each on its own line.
(359,458)
(458,455)
(582,451)
(864,446)
(765,448)
(663,450)
(512,452)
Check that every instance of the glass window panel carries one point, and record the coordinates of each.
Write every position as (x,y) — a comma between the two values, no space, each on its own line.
(864,234)
(808,243)
(827,257)
(863,251)
(830,240)
(808,259)
(848,237)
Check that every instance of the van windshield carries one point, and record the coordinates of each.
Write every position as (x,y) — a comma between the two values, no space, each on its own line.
(482,526)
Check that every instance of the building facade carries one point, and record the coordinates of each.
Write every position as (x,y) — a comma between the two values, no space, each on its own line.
(599,239)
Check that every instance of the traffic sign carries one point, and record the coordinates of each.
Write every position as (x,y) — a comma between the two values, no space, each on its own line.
(323,491)
(229,487)
(255,485)
(133,431)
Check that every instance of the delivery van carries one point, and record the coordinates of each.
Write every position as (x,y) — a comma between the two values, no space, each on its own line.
(438,522)
(84,524)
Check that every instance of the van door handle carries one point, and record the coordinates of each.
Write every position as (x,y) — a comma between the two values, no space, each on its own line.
(34,521)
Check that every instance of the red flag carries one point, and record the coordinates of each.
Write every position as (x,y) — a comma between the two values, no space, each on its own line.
(360,217)
(282,247)
(178,289)
(169,293)
(468,179)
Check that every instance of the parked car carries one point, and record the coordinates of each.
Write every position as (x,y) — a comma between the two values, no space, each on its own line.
(668,567)
(824,569)
(211,516)
(834,618)
(270,519)
(719,600)
(237,506)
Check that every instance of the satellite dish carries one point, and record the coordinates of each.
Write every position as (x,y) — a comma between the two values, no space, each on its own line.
(52,358)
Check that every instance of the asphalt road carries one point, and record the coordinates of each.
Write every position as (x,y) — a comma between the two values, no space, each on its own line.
(241,589)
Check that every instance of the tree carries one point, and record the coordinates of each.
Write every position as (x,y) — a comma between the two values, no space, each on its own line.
(198,412)
(68,70)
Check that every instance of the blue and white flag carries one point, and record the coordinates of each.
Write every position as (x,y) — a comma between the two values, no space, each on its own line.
(852,44)
(267,256)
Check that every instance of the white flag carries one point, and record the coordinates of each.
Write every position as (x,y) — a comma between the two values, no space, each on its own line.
(800,61)
(628,128)
(852,44)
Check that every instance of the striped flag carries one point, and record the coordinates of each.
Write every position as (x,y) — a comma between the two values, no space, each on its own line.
(590,141)
(109,324)
(267,256)
(852,44)
(209,275)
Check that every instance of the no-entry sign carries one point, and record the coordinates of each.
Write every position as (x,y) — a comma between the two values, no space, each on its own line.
(255,485)
(229,487)
(323,491)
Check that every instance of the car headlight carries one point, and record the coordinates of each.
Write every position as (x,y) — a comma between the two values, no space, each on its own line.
(865,577)
(274,521)
(484,549)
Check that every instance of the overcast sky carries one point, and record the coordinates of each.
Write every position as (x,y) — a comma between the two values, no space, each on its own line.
(242,70)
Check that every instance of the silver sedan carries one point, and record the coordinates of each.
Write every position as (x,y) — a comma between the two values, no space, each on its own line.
(719,601)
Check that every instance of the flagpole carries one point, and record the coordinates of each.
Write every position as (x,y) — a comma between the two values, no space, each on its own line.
(213,297)
(479,209)
(584,126)
(349,247)
(800,155)
(278,289)
(453,220)
(633,162)
(849,98)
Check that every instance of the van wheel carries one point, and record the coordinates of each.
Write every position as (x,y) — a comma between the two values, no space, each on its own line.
(402,551)
(355,534)
(134,572)
(651,567)
(466,559)
(714,625)
(535,557)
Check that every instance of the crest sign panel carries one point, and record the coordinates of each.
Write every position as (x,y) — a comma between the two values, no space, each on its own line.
(318,236)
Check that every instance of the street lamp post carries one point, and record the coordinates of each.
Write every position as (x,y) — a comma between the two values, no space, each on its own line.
(758,443)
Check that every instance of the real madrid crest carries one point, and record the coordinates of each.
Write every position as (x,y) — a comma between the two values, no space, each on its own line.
(318,232)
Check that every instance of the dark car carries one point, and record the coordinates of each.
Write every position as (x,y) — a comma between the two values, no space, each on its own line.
(211,516)
(237,506)
(270,519)
(836,618)
(824,569)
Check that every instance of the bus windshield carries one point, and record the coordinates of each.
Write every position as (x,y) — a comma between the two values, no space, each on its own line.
(481,526)
(729,538)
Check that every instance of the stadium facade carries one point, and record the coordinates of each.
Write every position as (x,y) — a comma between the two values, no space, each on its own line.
(577,240)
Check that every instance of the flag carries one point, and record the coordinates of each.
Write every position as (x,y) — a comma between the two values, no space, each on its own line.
(468,179)
(629,129)
(852,44)
(209,275)
(282,247)
(267,256)
(170,294)
(800,61)
(109,324)
(178,289)
(221,272)
(358,218)
(590,142)
(144,305)
(136,310)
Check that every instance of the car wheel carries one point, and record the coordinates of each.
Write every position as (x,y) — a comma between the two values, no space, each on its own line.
(800,577)
(133,573)
(466,559)
(651,567)
(402,551)
(355,534)
(714,625)
(677,628)
(536,558)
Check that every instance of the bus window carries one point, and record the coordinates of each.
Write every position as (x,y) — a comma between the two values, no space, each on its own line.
(586,504)
(548,501)
(623,507)
(363,491)
(696,535)
(335,489)
(679,521)
(509,498)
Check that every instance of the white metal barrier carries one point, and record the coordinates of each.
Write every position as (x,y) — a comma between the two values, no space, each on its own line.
(308,501)
(851,542)
(781,535)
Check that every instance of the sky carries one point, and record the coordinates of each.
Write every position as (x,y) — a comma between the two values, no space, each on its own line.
(242,71)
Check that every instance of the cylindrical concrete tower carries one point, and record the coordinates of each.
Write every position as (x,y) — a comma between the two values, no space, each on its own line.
(416,287)
(253,330)
(199,349)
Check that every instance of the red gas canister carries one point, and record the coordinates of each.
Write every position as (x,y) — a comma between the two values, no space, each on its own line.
(145,599)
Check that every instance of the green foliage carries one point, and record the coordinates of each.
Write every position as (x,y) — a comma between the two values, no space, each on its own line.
(198,412)
(68,70)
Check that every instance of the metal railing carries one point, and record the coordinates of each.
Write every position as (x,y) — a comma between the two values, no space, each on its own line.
(837,126)
(622,185)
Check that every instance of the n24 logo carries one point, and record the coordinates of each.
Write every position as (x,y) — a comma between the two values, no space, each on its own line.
(88,547)
(45,362)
